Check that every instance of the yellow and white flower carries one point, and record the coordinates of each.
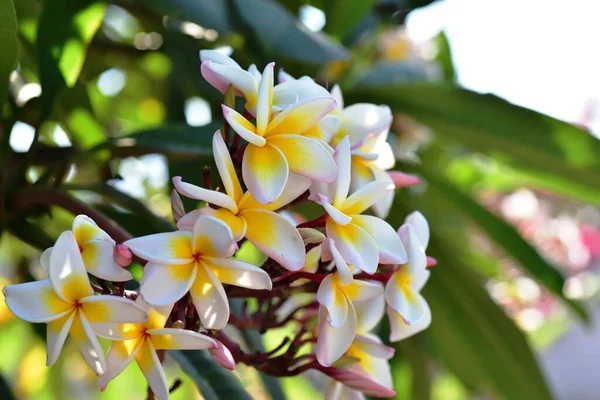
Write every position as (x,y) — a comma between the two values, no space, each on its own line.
(337,316)
(66,302)
(140,342)
(97,251)
(407,308)
(361,240)
(195,262)
(270,232)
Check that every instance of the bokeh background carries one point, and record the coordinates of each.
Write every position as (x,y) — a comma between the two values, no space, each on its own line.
(496,110)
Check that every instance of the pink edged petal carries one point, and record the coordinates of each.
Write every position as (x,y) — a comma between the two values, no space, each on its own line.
(218,57)
(276,237)
(391,250)
(222,356)
(220,76)
(369,313)
(36,301)
(372,345)
(226,169)
(333,342)
(357,382)
(45,259)
(383,206)
(108,308)
(296,186)
(212,237)
(209,196)
(360,291)
(56,334)
(334,300)
(365,197)
(91,350)
(186,223)
(418,221)
(153,371)
(209,297)
(238,273)
(85,229)
(336,92)
(98,257)
(336,215)
(162,285)
(242,126)
(283,76)
(401,179)
(300,116)
(417,260)
(182,339)
(172,248)
(265,172)
(338,391)
(341,265)
(342,159)
(355,245)
(253,70)
(401,330)
(120,355)
(405,300)
(67,271)
(306,156)
(264,101)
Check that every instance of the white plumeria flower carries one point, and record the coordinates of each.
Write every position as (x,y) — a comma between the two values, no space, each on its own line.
(360,240)
(195,262)
(407,308)
(270,232)
(66,302)
(337,316)
(276,145)
(140,342)
(97,251)
(371,373)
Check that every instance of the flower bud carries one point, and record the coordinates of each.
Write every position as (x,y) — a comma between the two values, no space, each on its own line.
(122,255)
(222,355)
(401,179)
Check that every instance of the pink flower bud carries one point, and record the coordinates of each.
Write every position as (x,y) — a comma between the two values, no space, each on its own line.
(122,255)
(222,355)
(357,379)
(431,261)
(401,179)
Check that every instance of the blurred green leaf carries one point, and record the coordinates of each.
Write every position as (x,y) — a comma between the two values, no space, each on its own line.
(282,34)
(344,15)
(5,392)
(474,337)
(30,233)
(444,57)
(212,14)
(8,38)
(505,235)
(390,73)
(64,32)
(490,125)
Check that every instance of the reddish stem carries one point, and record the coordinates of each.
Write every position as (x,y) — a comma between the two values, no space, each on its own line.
(318,222)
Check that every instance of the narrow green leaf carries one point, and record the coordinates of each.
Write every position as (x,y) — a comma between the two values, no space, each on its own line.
(282,34)
(488,124)
(444,56)
(8,38)
(509,239)
(64,32)
(212,14)
(344,15)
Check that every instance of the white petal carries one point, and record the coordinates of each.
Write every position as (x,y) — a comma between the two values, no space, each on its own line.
(56,334)
(88,344)
(364,118)
(253,70)
(226,169)
(401,330)
(355,245)
(265,171)
(162,285)
(333,300)
(336,92)
(339,217)
(116,332)
(311,235)
(363,290)
(153,371)
(366,196)
(283,76)
(210,299)
(85,229)
(301,116)
(210,196)
(173,339)
(186,223)
(212,237)
(265,99)
(406,301)
(369,313)
(172,248)
(108,308)
(120,355)
(383,206)
(45,259)
(242,126)
(220,76)
(333,342)
(340,263)
(305,87)
(343,161)
(35,301)
(418,221)
(218,57)
(67,271)
(295,186)
(417,260)
(99,260)
(391,250)
(239,273)
(372,345)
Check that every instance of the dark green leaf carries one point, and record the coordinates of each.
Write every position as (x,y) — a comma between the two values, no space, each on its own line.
(5,391)
(212,14)
(444,57)
(64,32)
(282,34)
(8,38)
(490,125)
(344,15)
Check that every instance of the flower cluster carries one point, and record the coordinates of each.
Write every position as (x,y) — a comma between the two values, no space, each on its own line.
(332,276)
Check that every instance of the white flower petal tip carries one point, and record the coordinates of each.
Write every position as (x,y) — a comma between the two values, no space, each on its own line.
(400,330)
(222,356)
(335,214)
(401,179)
(122,255)
(421,226)
(431,262)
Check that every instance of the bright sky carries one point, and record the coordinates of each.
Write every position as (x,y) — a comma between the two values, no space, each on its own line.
(541,54)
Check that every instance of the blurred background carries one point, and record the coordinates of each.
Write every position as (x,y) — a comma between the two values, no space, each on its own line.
(496,110)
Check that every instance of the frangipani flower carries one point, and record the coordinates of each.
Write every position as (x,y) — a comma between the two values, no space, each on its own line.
(97,250)
(370,373)
(407,309)
(66,301)
(337,316)
(140,342)
(276,146)
(197,262)
(271,233)
(361,240)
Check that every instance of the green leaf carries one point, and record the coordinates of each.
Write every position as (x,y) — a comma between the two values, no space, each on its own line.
(30,233)
(64,32)
(505,236)
(212,14)
(390,73)
(444,56)
(5,391)
(488,124)
(474,337)
(214,381)
(344,15)
(8,38)
(282,34)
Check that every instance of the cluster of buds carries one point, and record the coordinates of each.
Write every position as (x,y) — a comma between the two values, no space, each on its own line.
(330,277)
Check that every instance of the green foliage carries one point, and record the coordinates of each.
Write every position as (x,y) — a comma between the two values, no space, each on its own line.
(8,38)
